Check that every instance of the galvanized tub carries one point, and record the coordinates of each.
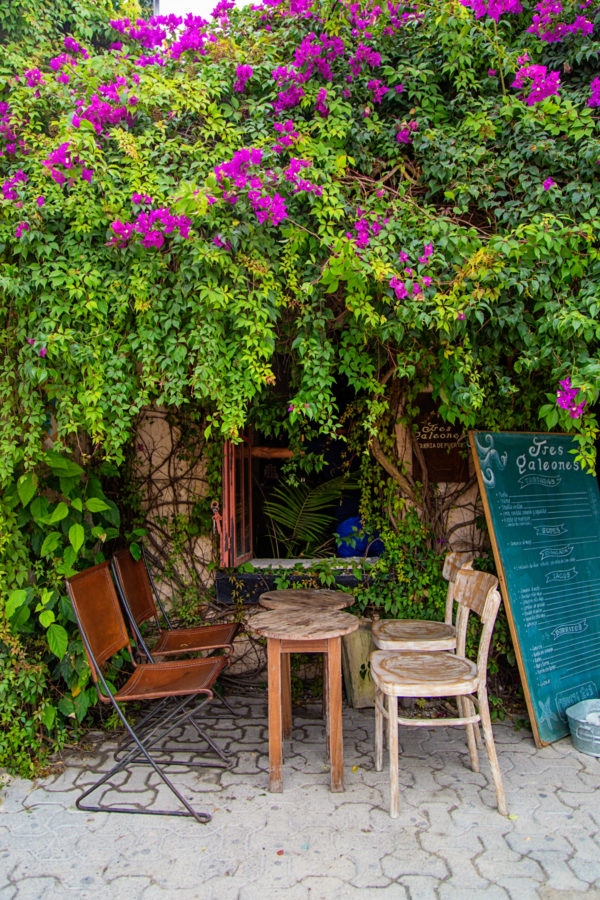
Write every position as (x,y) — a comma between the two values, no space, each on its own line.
(584,722)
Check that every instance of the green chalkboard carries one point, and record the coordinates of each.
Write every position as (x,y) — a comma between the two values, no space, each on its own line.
(543,513)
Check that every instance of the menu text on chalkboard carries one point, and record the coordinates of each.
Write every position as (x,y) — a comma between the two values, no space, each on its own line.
(543,512)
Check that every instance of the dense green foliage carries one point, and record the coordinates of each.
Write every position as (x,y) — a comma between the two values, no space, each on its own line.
(389,212)
(511,307)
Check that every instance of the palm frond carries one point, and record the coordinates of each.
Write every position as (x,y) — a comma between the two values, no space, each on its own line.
(302,516)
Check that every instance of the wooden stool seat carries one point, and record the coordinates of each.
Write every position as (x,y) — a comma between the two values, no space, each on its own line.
(303,631)
(318,600)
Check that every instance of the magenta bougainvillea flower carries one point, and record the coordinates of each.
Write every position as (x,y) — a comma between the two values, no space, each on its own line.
(537,83)
(566,396)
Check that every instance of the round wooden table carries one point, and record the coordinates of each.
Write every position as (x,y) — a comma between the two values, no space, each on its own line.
(302,631)
(317,599)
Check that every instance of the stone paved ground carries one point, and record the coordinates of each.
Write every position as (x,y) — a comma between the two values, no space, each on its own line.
(448,842)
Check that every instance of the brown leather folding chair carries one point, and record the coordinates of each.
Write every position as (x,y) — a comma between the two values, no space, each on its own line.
(100,620)
(140,601)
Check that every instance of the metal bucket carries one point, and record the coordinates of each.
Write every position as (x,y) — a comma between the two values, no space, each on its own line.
(584,722)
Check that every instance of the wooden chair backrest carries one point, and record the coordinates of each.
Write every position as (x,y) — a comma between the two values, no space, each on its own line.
(453,563)
(98,613)
(135,584)
(476,592)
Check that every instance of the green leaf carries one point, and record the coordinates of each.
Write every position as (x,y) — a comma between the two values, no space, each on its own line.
(76,536)
(58,640)
(94,504)
(46,618)
(69,556)
(38,509)
(135,550)
(15,599)
(48,715)
(50,543)
(26,486)
(67,484)
(67,707)
(61,466)
(82,703)
(19,617)
(60,512)
(77,504)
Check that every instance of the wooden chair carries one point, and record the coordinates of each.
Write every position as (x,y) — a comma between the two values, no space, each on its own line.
(138,596)
(430,674)
(420,634)
(100,620)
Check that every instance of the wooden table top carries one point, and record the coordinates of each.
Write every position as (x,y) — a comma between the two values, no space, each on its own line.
(308,599)
(300,624)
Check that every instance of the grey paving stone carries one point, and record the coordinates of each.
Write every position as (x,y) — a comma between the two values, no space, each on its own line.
(420,887)
(448,841)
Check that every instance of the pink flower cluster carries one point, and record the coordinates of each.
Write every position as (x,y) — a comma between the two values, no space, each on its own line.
(378,90)
(566,396)
(365,230)
(317,52)
(288,99)
(364,54)
(63,158)
(154,226)
(73,47)
(403,287)
(8,188)
(287,135)
(33,77)
(405,135)
(243,73)
(595,96)
(191,36)
(549,26)
(8,133)
(100,113)
(237,168)
(267,207)
(492,8)
(292,174)
(62,60)
(321,103)
(537,82)
(222,8)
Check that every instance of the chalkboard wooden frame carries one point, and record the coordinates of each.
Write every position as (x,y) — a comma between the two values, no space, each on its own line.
(544,572)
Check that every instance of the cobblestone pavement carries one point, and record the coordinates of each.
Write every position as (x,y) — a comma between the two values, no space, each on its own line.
(448,842)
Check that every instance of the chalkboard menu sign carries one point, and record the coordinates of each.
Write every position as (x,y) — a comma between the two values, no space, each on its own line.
(543,513)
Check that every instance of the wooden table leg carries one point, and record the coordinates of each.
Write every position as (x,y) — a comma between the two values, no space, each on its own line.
(326,701)
(275,700)
(334,713)
(286,695)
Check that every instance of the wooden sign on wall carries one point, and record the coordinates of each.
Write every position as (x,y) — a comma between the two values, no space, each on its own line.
(440,444)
